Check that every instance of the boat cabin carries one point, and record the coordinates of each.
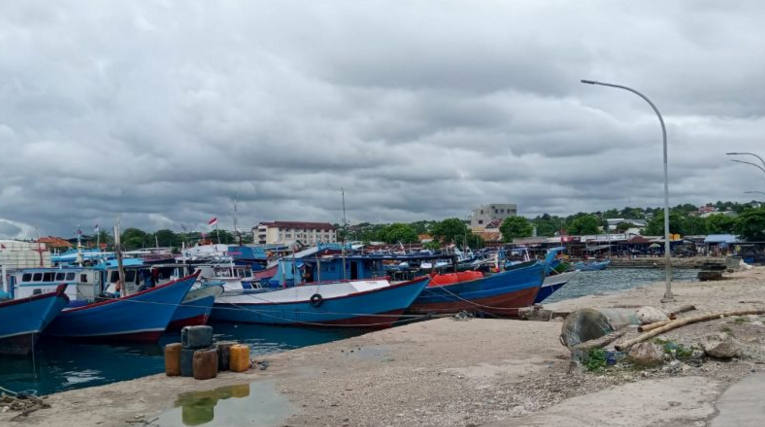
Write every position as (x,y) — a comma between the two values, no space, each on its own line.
(83,284)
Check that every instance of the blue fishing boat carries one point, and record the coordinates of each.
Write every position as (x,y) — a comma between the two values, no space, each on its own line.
(195,308)
(592,266)
(500,294)
(139,317)
(552,283)
(556,276)
(22,320)
(373,303)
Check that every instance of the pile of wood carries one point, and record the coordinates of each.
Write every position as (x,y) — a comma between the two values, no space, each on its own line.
(24,403)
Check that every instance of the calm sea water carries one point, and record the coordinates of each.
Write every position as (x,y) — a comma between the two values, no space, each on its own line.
(616,279)
(63,365)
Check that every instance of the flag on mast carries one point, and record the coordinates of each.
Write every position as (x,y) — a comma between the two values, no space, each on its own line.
(95,229)
(213,221)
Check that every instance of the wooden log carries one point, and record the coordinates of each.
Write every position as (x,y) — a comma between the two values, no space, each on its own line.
(654,325)
(687,321)
(683,309)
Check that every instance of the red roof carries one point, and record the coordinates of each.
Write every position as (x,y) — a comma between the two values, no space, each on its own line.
(638,240)
(54,242)
(300,224)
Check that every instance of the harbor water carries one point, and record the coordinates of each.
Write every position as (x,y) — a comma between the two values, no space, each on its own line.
(617,279)
(62,365)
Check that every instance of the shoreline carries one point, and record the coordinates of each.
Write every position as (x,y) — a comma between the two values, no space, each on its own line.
(446,372)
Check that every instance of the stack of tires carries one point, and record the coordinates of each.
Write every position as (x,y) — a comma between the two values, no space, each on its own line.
(196,355)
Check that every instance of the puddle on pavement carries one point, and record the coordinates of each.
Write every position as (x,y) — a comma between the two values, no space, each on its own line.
(254,405)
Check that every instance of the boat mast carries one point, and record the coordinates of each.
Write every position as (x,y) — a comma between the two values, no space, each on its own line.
(345,229)
(236,230)
(118,253)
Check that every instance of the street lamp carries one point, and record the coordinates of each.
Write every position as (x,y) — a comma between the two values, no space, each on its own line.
(668,297)
(746,153)
(755,192)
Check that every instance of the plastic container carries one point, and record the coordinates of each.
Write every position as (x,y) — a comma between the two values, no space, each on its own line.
(206,363)
(239,358)
(199,336)
(187,362)
(224,354)
(173,359)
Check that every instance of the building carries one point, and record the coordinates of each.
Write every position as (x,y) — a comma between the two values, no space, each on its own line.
(285,232)
(483,215)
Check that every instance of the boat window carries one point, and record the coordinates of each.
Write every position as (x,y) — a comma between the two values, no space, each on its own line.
(114,277)
(248,273)
(69,276)
(37,277)
(84,278)
(26,277)
(60,277)
(49,277)
(129,276)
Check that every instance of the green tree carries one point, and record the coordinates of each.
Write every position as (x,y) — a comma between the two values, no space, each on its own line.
(694,225)
(750,225)
(134,238)
(547,225)
(655,226)
(585,224)
(167,238)
(515,227)
(720,224)
(450,230)
(398,232)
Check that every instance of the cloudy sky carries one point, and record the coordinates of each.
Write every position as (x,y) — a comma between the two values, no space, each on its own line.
(163,112)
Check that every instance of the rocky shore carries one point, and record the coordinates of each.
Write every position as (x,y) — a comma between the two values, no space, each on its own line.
(472,372)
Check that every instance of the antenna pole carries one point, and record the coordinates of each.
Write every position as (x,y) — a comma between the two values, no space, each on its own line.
(345,229)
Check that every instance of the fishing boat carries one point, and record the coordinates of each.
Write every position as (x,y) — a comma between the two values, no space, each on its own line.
(500,294)
(373,303)
(195,308)
(23,319)
(139,317)
(592,266)
(552,283)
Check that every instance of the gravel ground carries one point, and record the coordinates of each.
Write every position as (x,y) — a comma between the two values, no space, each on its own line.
(446,372)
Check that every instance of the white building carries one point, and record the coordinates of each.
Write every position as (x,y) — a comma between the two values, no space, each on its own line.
(485,214)
(285,232)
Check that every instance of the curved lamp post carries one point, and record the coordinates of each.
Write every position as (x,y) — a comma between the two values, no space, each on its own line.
(668,296)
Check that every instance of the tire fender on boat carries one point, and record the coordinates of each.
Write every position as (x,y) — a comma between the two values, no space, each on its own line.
(316,300)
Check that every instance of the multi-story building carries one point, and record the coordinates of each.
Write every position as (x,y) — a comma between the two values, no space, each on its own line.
(284,232)
(485,214)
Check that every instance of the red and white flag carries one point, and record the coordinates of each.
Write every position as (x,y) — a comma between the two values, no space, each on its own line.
(2,246)
(213,221)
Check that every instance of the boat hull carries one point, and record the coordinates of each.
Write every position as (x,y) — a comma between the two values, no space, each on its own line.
(195,309)
(500,295)
(552,284)
(376,307)
(22,320)
(141,317)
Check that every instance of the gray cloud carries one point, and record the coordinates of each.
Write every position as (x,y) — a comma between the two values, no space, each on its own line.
(163,112)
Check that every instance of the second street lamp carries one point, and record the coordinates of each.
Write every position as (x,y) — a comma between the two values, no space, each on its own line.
(668,296)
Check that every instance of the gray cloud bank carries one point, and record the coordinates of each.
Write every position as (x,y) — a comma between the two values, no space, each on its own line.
(163,112)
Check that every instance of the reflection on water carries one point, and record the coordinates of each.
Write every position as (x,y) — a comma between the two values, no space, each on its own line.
(616,279)
(63,365)
(257,404)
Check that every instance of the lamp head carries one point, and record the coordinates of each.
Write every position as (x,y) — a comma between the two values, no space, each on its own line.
(589,82)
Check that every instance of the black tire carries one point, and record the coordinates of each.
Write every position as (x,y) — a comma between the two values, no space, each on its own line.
(316,300)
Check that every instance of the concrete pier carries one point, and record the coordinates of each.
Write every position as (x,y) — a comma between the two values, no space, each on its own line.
(449,372)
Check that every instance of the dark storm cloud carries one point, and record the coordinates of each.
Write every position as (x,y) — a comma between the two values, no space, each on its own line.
(161,113)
